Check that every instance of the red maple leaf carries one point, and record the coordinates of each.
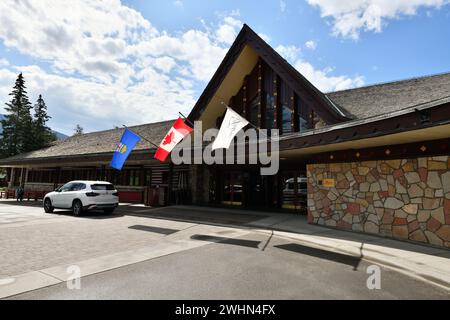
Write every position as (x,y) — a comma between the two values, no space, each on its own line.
(168,139)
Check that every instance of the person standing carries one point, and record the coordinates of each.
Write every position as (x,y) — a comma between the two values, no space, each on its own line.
(20,193)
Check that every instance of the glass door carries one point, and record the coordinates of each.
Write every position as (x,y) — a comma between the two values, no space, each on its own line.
(294,191)
(232,190)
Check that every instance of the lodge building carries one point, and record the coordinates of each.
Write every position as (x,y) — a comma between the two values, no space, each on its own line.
(373,159)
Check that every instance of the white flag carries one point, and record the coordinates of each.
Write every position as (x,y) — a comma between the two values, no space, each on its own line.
(231,124)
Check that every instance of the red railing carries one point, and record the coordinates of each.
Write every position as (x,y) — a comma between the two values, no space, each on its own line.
(29,195)
(131,196)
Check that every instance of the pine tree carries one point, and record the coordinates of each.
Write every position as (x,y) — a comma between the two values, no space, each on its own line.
(78,130)
(18,123)
(42,135)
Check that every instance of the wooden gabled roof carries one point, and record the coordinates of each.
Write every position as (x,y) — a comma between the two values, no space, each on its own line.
(94,143)
(326,109)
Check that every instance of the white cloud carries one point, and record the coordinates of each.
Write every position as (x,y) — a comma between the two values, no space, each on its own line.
(3,62)
(350,17)
(228,30)
(282,5)
(96,105)
(322,79)
(326,82)
(290,53)
(264,36)
(107,64)
(311,44)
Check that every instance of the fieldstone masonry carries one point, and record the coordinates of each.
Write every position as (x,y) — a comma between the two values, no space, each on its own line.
(404,198)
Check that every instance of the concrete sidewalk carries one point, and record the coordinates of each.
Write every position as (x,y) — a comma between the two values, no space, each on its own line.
(423,262)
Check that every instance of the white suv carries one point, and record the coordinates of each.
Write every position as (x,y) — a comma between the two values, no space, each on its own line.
(81,196)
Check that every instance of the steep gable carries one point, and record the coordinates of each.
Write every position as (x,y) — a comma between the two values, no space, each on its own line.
(242,57)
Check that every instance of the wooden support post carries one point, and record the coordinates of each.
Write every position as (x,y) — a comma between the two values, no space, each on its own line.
(169,185)
(11,178)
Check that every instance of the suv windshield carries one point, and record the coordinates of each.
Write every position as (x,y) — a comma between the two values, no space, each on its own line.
(103,186)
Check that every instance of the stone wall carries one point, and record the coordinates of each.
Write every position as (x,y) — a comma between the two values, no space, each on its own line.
(404,199)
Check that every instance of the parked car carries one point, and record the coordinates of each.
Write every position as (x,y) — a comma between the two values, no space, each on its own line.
(81,196)
(291,198)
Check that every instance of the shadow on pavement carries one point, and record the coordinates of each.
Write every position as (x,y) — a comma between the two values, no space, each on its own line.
(88,215)
(224,240)
(165,231)
(193,215)
(322,254)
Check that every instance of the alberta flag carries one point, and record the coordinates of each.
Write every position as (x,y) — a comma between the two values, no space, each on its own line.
(123,149)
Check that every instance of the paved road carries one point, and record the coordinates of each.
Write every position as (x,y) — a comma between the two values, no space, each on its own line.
(189,259)
(255,266)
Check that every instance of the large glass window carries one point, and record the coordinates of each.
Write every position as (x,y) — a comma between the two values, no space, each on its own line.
(270,111)
(269,97)
(286,108)
(287,119)
(254,110)
(303,114)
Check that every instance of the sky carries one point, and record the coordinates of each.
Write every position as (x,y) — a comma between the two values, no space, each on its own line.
(109,63)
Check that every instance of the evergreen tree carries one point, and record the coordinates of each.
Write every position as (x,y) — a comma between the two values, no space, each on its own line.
(78,130)
(42,136)
(18,123)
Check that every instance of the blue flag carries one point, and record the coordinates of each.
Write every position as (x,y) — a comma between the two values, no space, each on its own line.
(123,149)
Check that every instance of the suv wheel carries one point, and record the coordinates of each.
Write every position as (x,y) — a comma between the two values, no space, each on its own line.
(48,206)
(77,208)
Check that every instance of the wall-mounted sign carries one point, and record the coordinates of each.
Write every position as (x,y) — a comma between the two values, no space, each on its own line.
(328,183)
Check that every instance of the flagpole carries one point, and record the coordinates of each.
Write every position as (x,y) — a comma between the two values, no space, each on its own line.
(251,124)
(142,137)
(186,119)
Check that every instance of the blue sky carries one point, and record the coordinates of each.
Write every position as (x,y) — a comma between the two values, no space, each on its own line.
(108,63)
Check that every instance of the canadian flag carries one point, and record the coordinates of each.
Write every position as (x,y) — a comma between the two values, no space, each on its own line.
(178,131)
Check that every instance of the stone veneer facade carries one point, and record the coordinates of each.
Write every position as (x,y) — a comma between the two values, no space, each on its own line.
(404,199)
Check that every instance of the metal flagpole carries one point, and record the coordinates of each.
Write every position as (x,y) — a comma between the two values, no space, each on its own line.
(251,124)
(186,119)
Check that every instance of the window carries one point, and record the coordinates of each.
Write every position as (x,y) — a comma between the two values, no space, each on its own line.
(78,187)
(303,114)
(269,97)
(102,186)
(232,188)
(294,191)
(270,111)
(66,187)
(148,177)
(238,101)
(286,108)
(254,110)
(286,121)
